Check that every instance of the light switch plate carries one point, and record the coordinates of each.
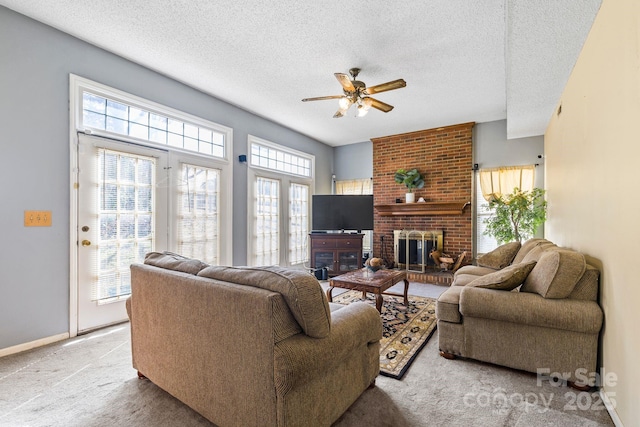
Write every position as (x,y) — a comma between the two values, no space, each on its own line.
(37,218)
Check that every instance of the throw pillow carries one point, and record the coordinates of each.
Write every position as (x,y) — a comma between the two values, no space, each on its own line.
(506,279)
(556,274)
(174,262)
(500,257)
(526,247)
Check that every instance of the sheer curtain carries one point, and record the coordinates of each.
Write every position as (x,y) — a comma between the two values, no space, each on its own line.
(358,186)
(355,186)
(493,183)
(498,181)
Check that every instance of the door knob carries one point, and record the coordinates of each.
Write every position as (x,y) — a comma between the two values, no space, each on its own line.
(86,242)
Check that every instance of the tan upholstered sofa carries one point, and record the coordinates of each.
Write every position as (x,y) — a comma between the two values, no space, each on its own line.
(250,346)
(531,307)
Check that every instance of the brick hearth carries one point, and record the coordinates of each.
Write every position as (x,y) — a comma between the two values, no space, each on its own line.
(444,157)
(435,277)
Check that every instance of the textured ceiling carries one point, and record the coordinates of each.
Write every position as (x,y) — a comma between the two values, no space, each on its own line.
(463,60)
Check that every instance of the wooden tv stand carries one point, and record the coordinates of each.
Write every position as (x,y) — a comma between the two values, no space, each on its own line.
(338,252)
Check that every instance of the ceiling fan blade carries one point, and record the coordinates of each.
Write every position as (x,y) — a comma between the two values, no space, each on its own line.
(345,81)
(395,84)
(321,98)
(379,105)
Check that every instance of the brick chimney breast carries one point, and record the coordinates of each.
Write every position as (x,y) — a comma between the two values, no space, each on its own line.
(444,156)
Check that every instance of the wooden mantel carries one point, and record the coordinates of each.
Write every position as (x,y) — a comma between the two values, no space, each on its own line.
(422,208)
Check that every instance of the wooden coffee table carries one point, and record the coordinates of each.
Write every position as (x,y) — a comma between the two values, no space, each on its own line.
(366,280)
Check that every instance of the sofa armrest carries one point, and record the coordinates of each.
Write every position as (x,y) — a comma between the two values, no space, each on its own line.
(531,309)
(354,329)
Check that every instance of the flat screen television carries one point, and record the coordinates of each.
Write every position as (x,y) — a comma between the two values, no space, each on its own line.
(333,212)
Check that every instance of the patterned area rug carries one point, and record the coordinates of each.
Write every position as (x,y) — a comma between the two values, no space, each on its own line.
(405,330)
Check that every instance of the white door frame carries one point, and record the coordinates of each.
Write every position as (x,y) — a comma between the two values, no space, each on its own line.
(91,314)
(76,85)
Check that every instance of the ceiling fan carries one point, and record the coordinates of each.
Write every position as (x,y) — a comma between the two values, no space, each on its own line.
(356,92)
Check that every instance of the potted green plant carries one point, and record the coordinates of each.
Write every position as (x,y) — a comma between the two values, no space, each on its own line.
(411,179)
(516,216)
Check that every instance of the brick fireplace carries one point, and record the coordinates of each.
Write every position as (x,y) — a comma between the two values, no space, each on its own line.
(444,157)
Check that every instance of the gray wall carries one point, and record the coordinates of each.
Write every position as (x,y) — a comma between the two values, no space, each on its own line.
(492,149)
(353,161)
(35,62)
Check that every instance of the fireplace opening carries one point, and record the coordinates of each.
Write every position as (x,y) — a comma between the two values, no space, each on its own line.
(412,248)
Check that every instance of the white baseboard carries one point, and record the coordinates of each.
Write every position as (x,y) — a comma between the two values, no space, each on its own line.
(33,344)
(610,408)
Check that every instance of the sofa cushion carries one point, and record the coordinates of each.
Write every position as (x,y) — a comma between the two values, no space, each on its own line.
(536,252)
(500,257)
(448,305)
(175,262)
(465,279)
(301,291)
(526,247)
(473,269)
(555,274)
(506,279)
(587,286)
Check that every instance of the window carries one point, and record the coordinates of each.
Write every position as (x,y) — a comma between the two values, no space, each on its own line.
(498,181)
(199,213)
(125,219)
(358,186)
(494,183)
(268,156)
(280,182)
(484,243)
(111,112)
(298,222)
(266,222)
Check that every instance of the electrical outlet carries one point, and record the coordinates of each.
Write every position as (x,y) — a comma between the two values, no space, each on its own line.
(37,218)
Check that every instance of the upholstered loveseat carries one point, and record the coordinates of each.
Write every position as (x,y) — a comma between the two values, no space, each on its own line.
(250,346)
(531,307)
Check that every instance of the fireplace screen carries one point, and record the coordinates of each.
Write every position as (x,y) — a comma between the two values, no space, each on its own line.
(412,248)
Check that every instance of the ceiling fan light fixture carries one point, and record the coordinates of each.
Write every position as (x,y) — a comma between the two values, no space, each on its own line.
(355,91)
(344,103)
(364,105)
(362,110)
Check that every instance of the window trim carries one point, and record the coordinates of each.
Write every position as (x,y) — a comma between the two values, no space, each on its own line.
(253,171)
(312,159)
(77,85)
(80,84)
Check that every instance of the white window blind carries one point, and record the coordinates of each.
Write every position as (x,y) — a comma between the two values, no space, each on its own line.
(199,213)
(298,223)
(126,220)
(266,245)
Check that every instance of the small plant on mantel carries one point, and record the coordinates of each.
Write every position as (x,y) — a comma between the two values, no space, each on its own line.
(411,179)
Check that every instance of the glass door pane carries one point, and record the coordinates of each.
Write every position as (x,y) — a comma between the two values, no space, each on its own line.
(266,222)
(120,210)
(298,223)
(199,213)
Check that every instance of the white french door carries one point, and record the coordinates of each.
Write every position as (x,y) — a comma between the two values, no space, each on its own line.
(122,215)
(279,220)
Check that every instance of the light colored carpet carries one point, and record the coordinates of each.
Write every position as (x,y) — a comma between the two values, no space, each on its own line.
(89,381)
(405,329)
